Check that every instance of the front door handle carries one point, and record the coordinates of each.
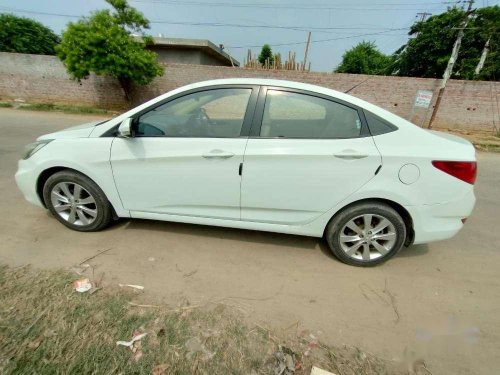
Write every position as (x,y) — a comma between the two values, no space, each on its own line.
(218,154)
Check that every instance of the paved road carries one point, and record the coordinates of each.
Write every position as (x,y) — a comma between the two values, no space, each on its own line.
(440,302)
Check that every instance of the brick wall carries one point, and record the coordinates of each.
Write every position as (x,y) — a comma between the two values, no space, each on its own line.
(466,104)
(43,79)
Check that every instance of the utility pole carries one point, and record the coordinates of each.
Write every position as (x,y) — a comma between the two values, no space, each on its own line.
(307,50)
(451,62)
(423,16)
(480,64)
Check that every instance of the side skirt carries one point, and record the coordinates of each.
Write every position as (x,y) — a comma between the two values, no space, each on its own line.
(306,230)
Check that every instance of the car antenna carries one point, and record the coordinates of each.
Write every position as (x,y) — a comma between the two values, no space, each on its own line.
(356,85)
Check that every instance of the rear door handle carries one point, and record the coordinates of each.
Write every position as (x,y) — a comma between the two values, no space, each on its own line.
(218,154)
(350,156)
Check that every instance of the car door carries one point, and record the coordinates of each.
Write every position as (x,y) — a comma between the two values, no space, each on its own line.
(305,154)
(185,155)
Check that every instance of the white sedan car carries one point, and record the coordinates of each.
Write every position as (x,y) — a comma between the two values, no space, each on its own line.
(265,155)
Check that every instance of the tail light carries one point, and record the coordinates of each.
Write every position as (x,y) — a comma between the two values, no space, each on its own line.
(463,170)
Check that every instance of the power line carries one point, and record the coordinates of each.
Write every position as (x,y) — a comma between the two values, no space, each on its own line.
(219,24)
(215,24)
(378,6)
(298,28)
(315,41)
(39,13)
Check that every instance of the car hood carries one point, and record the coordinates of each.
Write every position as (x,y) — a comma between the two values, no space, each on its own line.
(78,131)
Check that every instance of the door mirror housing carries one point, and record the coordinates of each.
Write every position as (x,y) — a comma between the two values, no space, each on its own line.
(125,128)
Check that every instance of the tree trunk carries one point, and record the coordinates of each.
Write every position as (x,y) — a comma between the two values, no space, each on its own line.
(126,85)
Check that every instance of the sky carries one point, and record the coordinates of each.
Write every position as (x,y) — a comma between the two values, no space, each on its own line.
(239,25)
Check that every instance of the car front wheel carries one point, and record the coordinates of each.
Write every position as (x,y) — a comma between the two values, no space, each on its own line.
(77,202)
(366,234)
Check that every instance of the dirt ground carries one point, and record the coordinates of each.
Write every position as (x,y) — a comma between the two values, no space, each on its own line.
(439,302)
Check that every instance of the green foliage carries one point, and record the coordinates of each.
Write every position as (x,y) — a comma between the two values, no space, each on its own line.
(103,44)
(364,58)
(266,54)
(24,35)
(427,54)
(487,22)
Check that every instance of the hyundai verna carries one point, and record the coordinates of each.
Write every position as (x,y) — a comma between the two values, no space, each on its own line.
(265,155)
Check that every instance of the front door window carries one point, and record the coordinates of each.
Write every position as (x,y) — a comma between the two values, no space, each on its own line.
(217,113)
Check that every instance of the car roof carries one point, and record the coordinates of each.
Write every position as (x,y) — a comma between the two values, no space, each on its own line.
(267,82)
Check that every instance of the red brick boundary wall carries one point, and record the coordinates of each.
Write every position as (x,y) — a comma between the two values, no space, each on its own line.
(37,78)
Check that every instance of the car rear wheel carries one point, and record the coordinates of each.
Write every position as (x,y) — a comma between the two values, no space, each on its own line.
(77,202)
(366,234)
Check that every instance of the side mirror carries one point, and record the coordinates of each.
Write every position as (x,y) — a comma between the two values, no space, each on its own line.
(125,128)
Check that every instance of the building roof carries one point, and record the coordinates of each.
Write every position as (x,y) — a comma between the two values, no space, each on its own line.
(203,44)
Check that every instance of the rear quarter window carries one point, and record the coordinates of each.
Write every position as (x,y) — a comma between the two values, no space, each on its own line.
(378,125)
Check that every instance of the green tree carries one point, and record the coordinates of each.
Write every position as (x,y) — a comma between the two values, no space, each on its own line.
(103,44)
(266,53)
(428,52)
(24,35)
(486,25)
(364,58)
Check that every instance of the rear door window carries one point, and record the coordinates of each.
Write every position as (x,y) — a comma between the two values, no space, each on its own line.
(296,115)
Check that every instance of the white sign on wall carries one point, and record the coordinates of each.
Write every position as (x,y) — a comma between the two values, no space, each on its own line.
(423,98)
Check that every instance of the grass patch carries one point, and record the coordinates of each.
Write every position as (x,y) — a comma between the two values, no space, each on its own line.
(48,328)
(62,108)
(482,140)
(5,105)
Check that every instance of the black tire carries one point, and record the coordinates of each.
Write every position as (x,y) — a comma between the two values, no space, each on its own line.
(104,210)
(356,212)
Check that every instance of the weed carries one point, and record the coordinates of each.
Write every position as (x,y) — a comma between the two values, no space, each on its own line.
(62,108)
(48,328)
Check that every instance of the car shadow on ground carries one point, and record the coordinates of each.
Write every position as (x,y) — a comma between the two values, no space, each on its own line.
(413,251)
(243,235)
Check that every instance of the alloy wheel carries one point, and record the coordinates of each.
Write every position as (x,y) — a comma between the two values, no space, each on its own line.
(73,203)
(368,237)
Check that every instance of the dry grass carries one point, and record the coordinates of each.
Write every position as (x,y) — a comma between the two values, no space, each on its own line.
(482,140)
(62,108)
(48,328)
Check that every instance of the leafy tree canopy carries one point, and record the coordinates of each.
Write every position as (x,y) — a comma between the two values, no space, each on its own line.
(103,44)
(364,58)
(428,52)
(24,35)
(266,54)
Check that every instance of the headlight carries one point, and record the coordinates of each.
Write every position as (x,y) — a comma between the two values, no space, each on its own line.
(34,147)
